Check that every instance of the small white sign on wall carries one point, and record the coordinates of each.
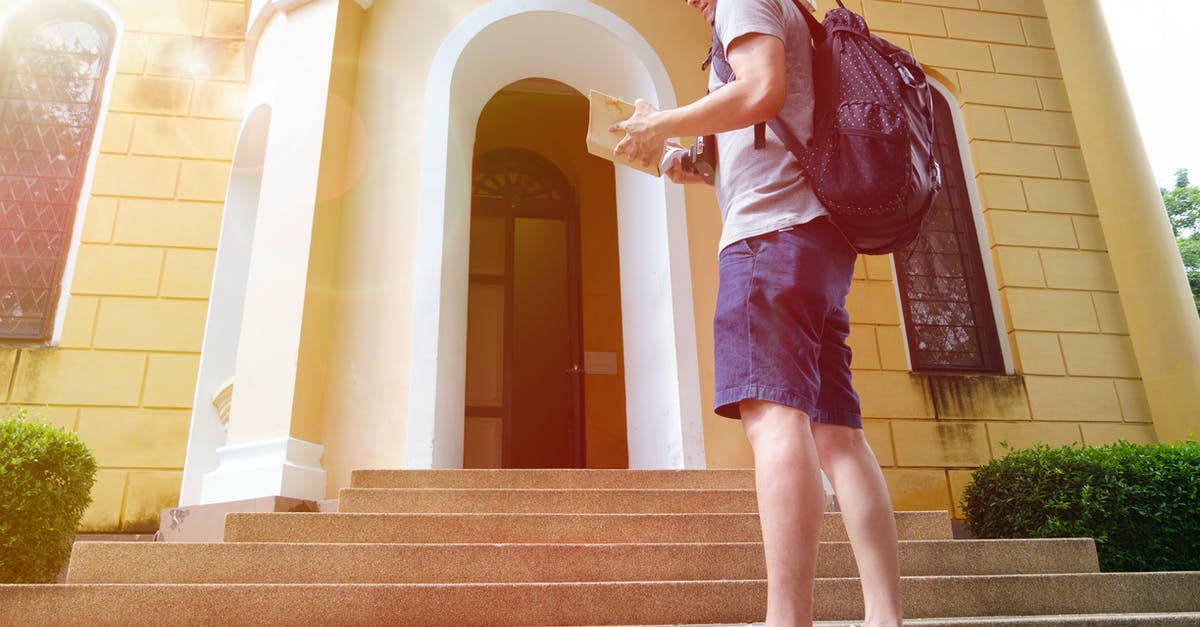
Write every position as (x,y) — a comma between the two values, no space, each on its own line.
(600,363)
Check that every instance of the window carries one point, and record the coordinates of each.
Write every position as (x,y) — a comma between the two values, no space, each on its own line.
(944,292)
(54,66)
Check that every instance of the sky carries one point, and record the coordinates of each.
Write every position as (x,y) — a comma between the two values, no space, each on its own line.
(1156,44)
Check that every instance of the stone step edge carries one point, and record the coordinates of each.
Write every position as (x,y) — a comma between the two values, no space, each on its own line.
(673,473)
(1133,619)
(1124,620)
(646,603)
(917,514)
(966,543)
(259,562)
(528,490)
(283,527)
(546,500)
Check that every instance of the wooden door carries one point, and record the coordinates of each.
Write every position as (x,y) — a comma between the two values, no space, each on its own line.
(524,345)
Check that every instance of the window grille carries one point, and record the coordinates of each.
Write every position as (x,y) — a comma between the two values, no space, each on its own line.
(944,291)
(50,92)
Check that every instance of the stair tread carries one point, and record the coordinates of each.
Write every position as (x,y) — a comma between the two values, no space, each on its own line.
(548,500)
(544,527)
(670,602)
(575,477)
(248,562)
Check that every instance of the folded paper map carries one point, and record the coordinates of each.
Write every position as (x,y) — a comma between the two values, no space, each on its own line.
(605,111)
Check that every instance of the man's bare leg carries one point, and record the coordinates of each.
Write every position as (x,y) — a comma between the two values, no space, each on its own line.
(867,511)
(790,506)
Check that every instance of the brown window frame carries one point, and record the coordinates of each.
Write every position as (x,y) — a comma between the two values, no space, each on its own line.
(43,191)
(945,295)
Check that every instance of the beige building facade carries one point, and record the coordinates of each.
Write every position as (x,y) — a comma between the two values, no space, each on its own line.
(314,236)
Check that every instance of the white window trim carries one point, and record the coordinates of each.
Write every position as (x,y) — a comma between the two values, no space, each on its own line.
(103,8)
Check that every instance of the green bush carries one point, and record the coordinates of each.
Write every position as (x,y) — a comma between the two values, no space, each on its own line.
(46,476)
(1141,503)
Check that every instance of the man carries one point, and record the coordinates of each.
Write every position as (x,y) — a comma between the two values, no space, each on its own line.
(782,364)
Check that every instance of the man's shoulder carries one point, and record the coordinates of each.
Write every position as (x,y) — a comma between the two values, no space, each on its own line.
(731,11)
(735,18)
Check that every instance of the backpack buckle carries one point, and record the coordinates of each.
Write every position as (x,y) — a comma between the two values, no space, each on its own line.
(907,75)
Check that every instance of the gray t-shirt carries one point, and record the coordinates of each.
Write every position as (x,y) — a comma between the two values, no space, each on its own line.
(760,191)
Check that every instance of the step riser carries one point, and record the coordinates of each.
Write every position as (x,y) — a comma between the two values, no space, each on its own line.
(540,528)
(736,479)
(565,501)
(576,604)
(116,562)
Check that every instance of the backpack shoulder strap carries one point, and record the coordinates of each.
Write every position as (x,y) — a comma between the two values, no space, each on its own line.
(816,31)
(720,64)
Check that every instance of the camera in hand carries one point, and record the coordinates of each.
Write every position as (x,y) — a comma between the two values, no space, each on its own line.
(701,158)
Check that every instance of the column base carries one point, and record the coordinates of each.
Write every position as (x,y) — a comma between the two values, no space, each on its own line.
(281,467)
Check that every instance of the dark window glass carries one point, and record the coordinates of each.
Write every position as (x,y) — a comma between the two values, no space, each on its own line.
(50,89)
(943,289)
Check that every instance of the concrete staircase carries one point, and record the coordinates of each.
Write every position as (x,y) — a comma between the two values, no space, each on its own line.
(565,547)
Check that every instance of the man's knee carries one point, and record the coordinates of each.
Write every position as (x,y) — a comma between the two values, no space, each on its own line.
(836,440)
(766,422)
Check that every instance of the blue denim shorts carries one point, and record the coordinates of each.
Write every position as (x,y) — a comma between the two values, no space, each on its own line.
(781,323)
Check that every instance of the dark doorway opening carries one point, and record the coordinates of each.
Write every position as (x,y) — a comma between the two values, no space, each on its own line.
(525,372)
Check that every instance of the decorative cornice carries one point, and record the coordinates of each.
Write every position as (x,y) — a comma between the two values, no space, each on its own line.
(221,400)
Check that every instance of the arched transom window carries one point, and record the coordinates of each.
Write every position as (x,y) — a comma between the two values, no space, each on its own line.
(54,63)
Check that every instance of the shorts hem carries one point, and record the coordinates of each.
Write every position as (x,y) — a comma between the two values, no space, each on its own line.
(726,402)
(726,405)
(844,418)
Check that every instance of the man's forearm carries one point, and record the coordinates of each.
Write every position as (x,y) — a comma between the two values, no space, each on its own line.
(736,105)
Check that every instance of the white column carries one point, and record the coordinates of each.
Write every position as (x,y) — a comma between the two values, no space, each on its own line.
(261,456)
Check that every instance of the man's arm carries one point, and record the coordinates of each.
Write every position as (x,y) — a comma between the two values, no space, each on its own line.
(757,95)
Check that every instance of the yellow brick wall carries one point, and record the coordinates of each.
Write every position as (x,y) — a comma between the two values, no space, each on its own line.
(124,374)
(1076,376)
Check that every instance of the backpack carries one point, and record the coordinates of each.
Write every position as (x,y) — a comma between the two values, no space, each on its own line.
(870,161)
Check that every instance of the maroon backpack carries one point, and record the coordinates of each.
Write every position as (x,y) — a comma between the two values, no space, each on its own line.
(870,161)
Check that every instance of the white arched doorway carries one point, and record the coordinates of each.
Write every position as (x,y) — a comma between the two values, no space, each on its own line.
(586,47)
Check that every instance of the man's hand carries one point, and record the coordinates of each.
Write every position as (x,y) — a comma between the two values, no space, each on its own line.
(678,175)
(644,141)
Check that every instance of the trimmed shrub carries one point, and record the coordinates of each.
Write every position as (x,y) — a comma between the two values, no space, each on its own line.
(1141,503)
(46,477)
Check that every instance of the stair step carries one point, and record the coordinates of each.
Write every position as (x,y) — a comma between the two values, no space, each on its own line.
(694,602)
(545,501)
(272,562)
(1187,619)
(557,478)
(539,528)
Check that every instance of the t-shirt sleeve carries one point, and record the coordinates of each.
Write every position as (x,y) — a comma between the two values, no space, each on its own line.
(735,18)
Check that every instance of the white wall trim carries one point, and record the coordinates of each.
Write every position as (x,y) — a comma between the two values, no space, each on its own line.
(226,303)
(106,10)
(593,49)
(278,467)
